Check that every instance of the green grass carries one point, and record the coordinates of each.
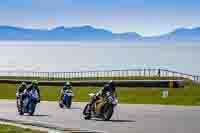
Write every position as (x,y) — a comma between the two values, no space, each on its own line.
(189,95)
(13,129)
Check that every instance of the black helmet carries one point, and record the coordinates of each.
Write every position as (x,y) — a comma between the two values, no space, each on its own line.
(24,84)
(111,83)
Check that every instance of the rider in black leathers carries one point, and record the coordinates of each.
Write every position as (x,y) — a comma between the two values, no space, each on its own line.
(20,91)
(110,87)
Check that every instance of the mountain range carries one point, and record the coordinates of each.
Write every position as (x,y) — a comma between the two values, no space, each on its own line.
(89,33)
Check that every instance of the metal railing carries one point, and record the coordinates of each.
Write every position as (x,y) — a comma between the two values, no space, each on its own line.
(96,75)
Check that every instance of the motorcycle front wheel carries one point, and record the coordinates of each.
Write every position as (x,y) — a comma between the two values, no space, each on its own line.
(61,104)
(107,112)
(69,102)
(32,109)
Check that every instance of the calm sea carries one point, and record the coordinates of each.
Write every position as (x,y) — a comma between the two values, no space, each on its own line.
(74,56)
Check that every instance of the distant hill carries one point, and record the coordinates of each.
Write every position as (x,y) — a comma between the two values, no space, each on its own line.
(89,33)
(84,33)
(178,35)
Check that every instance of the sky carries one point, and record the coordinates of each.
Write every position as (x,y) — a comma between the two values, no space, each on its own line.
(146,17)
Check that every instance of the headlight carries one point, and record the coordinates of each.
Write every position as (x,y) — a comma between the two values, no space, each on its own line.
(108,93)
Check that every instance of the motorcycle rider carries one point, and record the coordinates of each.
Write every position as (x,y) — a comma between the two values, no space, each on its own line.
(20,91)
(67,87)
(34,86)
(110,87)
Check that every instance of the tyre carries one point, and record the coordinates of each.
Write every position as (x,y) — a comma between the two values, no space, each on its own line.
(33,106)
(107,112)
(19,107)
(69,102)
(21,113)
(31,113)
(61,105)
(87,115)
(85,110)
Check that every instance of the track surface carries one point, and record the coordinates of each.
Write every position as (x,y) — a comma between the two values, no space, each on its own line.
(127,118)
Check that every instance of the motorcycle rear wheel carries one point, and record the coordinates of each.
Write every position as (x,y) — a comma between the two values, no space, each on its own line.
(87,115)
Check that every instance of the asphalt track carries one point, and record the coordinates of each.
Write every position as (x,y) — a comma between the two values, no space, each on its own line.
(127,118)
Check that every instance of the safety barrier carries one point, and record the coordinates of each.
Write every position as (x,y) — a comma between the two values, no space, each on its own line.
(129,74)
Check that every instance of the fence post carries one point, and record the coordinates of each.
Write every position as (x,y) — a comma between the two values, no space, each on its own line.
(52,75)
(38,73)
(140,72)
(44,75)
(127,74)
(77,76)
(64,77)
(71,75)
(159,72)
(67,76)
(173,74)
(33,75)
(47,75)
(80,73)
(124,74)
(119,76)
(149,72)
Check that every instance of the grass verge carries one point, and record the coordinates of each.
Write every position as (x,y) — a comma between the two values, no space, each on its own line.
(189,95)
(13,129)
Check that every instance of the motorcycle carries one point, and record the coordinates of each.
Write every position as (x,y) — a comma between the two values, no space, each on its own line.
(27,102)
(103,108)
(67,99)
